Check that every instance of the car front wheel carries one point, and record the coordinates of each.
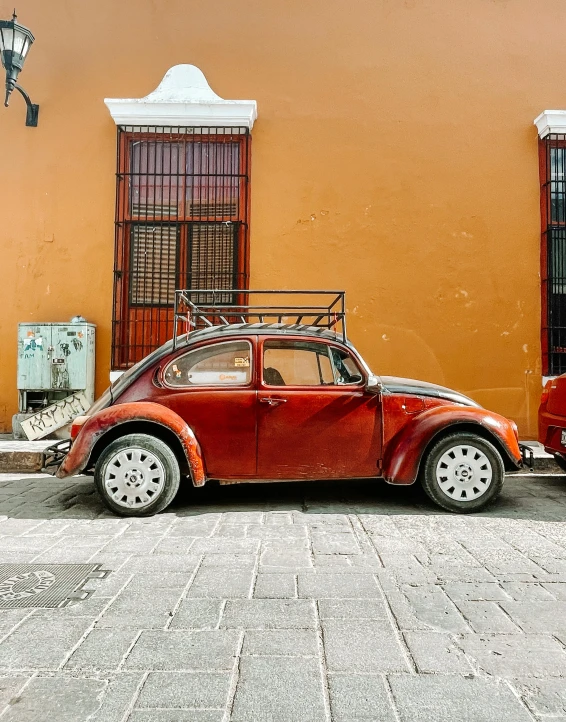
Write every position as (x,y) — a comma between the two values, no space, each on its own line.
(137,475)
(463,472)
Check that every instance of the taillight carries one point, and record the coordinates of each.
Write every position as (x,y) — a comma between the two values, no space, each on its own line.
(545,393)
(77,425)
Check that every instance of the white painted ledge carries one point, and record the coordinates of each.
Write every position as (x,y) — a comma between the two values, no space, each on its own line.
(551,121)
(183,98)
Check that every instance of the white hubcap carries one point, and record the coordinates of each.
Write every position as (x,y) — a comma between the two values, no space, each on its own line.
(464,473)
(134,478)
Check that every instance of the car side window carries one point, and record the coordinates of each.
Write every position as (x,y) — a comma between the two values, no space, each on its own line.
(347,371)
(296,363)
(221,364)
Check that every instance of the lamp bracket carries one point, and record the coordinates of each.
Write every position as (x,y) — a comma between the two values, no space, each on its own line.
(32,109)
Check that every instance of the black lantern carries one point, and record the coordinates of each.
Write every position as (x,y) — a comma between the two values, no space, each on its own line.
(15,42)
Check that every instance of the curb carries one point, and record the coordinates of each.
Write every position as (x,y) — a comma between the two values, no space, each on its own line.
(28,461)
(14,462)
(542,465)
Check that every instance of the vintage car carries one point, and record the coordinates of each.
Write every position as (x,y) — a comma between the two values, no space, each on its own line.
(269,400)
(552,419)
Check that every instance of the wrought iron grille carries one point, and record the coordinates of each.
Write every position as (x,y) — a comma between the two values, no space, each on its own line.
(182,221)
(553,253)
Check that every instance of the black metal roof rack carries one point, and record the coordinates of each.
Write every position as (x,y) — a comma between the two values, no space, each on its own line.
(202,308)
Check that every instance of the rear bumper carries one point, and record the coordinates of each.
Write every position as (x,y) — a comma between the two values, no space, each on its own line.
(54,456)
(527,457)
(550,428)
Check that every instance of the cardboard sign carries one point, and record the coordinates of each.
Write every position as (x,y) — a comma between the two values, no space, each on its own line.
(55,416)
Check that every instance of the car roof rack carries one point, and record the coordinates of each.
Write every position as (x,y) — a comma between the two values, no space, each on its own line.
(196,309)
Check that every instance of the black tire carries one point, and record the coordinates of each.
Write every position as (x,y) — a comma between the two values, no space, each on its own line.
(561,461)
(432,479)
(159,459)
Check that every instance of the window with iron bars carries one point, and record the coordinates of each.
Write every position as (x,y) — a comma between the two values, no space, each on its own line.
(182,221)
(553,253)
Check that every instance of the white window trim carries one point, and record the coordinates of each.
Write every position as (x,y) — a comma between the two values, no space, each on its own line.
(551,121)
(183,99)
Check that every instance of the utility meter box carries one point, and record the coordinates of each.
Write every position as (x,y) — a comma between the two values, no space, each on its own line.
(55,360)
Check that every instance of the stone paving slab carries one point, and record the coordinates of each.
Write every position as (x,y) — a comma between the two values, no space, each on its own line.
(326,602)
(445,699)
(52,698)
(437,653)
(269,614)
(185,689)
(179,650)
(278,688)
(281,643)
(359,697)
(176,715)
(363,646)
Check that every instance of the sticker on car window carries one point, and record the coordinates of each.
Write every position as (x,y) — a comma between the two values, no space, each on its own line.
(242,362)
(218,377)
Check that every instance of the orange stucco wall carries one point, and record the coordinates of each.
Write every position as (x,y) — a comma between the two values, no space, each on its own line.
(394,156)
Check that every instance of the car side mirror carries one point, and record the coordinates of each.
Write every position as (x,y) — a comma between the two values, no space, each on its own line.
(373,384)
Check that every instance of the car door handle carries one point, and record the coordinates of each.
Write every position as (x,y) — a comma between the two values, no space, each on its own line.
(272,401)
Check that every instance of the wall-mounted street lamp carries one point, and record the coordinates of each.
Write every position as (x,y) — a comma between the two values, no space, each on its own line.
(15,41)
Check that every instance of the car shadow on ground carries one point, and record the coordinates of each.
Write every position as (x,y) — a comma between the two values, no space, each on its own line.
(541,498)
(525,496)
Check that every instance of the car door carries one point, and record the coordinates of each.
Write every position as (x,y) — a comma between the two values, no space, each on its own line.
(212,388)
(315,418)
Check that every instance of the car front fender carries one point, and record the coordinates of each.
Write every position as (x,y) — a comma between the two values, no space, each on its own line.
(405,451)
(121,414)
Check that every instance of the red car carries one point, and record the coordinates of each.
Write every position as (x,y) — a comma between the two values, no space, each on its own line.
(260,401)
(552,419)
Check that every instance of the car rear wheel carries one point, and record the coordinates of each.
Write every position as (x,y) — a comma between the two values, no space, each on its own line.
(463,472)
(137,475)
(561,461)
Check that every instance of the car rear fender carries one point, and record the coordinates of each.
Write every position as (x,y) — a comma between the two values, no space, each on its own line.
(115,421)
(406,450)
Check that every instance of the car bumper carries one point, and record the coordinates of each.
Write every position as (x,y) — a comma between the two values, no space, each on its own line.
(527,457)
(54,456)
(551,427)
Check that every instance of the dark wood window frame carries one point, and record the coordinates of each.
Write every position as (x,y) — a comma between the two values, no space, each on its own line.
(182,221)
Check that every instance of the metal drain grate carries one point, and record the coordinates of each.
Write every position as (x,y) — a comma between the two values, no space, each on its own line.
(45,585)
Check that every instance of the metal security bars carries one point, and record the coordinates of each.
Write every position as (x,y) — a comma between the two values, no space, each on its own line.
(553,253)
(182,221)
(222,307)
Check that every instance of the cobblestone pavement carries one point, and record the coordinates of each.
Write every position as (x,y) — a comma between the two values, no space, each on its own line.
(290,602)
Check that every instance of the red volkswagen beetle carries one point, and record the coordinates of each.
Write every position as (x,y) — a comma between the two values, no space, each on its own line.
(270,400)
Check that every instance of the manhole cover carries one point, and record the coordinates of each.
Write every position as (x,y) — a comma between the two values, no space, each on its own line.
(45,585)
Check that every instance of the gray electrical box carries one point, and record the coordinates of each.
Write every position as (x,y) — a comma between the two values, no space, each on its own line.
(54,361)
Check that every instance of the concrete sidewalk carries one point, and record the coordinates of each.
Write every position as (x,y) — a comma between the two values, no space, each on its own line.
(26,456)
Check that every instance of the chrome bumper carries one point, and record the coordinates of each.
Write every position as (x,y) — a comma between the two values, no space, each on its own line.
(54,455)
(527,457)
